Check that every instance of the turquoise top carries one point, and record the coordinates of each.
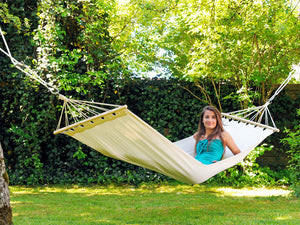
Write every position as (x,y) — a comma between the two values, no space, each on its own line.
(207,153)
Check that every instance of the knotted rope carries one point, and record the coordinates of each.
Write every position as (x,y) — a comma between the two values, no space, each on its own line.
(262,113)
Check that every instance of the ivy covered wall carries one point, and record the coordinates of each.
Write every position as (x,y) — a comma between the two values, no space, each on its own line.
(35,156)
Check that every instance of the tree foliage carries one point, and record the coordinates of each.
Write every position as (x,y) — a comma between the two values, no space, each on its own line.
(293,140)
(244,42)
(74,45)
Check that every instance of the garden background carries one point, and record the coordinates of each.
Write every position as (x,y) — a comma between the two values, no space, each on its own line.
(232,55)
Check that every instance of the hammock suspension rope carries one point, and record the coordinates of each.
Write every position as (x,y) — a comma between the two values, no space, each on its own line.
(116,132)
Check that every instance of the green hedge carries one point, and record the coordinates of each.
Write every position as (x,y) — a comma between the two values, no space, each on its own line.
(293,141)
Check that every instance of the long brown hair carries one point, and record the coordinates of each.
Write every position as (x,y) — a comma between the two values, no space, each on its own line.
(218,129)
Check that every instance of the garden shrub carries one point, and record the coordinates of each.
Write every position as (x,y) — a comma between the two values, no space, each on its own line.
(293,141)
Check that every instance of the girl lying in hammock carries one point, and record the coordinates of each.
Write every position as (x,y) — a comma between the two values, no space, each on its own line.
(211,138)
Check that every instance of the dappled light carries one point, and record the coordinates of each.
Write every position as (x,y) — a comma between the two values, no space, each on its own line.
(283,218)
(154,188)
(253,192)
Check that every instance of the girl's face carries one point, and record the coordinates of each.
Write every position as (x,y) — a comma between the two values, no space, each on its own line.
(209,120)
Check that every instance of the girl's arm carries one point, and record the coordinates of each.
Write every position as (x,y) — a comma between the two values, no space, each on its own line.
(229,142)
(195,137)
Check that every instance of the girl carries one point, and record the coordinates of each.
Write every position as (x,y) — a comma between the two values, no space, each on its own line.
(211,138)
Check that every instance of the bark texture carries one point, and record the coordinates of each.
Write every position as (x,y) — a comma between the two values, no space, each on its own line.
(5,208)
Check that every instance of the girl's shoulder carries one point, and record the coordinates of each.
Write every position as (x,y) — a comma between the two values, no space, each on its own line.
(222,136)
(198,136)
(226,136)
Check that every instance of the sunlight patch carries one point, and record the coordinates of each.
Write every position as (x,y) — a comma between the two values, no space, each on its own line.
(256,192)
(284,218)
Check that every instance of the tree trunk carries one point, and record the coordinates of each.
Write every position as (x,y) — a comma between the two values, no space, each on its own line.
(5,208)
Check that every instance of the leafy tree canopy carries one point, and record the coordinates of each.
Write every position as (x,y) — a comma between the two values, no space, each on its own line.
(74,46)
(245,42)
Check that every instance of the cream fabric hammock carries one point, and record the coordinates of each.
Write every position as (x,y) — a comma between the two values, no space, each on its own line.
(120,134)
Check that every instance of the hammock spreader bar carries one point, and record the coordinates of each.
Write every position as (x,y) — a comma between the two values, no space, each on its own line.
(249,122)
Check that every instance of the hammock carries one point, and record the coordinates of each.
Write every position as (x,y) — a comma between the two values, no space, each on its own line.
(120,134)
(116,132)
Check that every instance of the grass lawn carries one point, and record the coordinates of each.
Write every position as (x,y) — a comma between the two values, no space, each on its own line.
(153,204)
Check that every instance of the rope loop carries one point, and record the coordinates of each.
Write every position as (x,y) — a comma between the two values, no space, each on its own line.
(62,97)
(295,71)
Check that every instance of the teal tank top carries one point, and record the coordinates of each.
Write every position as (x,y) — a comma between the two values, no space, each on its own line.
(207,153)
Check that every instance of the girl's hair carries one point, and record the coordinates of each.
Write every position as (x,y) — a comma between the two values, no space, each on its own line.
(217,133)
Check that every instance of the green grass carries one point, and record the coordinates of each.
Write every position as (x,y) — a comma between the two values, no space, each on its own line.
(153,204)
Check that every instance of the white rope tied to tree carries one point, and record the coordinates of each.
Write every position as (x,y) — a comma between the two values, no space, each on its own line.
(75,110)
(261,114)
(26,69)
(295,72)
